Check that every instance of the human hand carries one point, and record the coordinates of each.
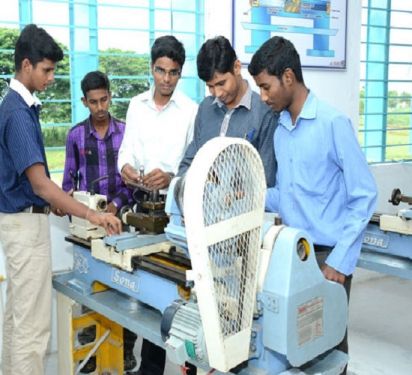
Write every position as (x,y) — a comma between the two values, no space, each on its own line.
(108,221)
(57,211)
(130,174)
(333,275)
(157,179)
(111,208)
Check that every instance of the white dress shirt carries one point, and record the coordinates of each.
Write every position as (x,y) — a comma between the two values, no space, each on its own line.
(157,138)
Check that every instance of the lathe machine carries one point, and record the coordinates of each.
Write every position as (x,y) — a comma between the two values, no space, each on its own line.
(387,244)
(223,287)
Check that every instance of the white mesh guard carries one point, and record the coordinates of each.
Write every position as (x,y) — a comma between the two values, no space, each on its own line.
(224,205)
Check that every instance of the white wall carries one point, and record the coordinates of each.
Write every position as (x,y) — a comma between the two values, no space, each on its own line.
(340,88)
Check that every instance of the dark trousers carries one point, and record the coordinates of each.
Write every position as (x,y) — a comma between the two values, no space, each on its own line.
(129,339)
(154,358)
(322,252)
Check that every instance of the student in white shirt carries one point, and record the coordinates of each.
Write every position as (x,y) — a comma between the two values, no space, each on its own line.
(159,122)
(159,127)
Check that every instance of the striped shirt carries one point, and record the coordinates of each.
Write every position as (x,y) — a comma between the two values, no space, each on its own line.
(21,146)
(89,157)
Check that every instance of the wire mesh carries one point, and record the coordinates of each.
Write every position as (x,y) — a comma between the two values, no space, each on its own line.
(235,186)
(233,268)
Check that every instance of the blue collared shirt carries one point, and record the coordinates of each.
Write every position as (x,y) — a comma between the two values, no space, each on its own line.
(323,183)
(21,146)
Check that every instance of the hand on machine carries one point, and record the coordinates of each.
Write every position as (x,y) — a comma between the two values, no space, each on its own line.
(154,180)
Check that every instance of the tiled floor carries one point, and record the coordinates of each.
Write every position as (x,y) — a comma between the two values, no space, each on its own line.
(380,327)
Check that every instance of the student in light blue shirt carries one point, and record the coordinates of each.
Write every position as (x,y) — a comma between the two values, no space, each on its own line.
(323,183)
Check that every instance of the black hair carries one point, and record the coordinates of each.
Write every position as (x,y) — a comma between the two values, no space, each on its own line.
(94,80)
(168,46)
(275,56)
(35,44)
(215,55)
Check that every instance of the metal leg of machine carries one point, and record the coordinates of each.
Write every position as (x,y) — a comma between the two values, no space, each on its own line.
(107,347)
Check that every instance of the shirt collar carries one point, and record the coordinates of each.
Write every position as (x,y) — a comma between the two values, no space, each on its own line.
(92,131)
(308,112)
(245,101)
(29,98)
(309,107)
(149,94)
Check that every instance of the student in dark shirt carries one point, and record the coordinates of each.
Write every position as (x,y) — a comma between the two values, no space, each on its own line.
(26,195)
(232,109)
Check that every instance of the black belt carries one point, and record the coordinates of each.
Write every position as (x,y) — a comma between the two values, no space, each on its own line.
(37,210)
(322,248)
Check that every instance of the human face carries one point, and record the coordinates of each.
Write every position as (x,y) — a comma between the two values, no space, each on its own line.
(227,87)
(98,102)
(273,91)
(37,78)
(166,74)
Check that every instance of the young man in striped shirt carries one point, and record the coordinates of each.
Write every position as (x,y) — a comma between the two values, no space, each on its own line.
(92,149)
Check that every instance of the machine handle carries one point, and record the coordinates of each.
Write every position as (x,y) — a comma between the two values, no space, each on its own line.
(398,197)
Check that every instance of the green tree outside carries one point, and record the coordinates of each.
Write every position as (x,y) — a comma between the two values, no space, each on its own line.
(128,74)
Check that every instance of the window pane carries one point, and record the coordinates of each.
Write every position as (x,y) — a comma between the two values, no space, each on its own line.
(119,45)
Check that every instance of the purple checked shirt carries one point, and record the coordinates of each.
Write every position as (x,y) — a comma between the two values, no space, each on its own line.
(89,157)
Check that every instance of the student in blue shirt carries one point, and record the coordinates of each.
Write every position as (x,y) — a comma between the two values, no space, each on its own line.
(26,195)
(323,183)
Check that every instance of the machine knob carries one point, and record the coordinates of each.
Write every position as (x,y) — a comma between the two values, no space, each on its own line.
(397,197)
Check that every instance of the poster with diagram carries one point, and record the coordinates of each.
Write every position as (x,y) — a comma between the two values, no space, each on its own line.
(317,28)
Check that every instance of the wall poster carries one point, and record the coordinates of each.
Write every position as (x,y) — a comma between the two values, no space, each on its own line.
(317,28)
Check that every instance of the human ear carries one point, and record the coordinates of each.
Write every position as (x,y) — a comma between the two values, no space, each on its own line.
(237,67)
(288,76)
(26,64)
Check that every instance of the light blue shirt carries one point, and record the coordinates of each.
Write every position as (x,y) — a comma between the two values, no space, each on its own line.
(323,182)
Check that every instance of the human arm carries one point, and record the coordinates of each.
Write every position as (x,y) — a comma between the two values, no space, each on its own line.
(191,126)
(264,143)
(193,146)
(361,194)
(71,164)
(127,152)
(272,200)
(50,192)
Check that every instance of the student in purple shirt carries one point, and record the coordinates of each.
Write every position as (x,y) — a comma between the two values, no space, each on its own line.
(92,148)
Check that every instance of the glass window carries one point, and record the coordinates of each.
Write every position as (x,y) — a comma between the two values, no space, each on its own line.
(386,80)
(114,36)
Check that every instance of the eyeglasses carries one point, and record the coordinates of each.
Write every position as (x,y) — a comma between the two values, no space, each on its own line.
(162,72)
